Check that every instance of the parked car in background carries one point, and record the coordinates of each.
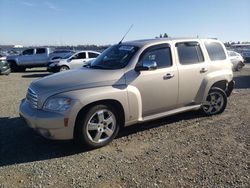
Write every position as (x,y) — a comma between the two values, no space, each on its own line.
(236,59)
(129,83)
(72,61)
(58,54)
(4,66)
(246,55)
(33,57)
(29,58)
(243,49)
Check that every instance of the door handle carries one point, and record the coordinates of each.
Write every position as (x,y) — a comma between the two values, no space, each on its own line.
(203,70)
(168,76)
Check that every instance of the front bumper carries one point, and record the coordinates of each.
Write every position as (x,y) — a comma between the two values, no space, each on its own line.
(53,69)
(5,71)
(48,124)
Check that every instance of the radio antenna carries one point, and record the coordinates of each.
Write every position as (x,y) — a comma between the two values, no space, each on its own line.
(126,33)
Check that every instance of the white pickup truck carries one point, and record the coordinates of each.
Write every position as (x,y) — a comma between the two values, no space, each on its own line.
(33,57)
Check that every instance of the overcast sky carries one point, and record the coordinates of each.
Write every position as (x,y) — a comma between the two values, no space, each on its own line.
(68,22)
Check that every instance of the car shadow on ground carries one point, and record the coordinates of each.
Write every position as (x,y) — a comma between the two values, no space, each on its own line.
(35,75)
(20,144)
(242,82)
(35,70)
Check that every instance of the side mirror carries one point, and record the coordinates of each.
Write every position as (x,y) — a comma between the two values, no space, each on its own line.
(147,66)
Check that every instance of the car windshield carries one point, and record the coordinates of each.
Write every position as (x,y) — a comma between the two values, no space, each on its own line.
(68,55)
(115,57)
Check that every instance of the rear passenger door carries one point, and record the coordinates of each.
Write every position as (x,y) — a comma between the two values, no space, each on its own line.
(192,70)
(92,55)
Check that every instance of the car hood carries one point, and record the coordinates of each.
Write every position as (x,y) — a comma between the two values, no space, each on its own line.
(77,79)
(12,57)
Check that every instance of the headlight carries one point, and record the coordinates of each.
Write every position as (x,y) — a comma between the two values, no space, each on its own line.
(52,64)
(57,104)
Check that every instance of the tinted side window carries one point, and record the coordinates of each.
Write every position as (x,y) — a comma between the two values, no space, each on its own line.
(92,55)
(162,56)
(80,56)
(215,51)
(28,52)
(40,50)
(189,53)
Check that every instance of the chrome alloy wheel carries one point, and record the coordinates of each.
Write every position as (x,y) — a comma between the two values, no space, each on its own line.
(64,68)
(214,103)
(101,126)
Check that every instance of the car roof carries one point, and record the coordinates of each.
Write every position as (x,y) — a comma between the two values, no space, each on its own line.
(80,51)
(144,42)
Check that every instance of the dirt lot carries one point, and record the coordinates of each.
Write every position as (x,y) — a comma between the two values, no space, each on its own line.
(186,150)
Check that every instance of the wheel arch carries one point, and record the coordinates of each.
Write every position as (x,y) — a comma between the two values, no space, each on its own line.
(219,79)
(222,84)
(11,62)
(112,102)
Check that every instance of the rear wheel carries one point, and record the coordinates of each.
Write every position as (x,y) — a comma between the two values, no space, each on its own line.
(98,126)
(64,68)
(215,103)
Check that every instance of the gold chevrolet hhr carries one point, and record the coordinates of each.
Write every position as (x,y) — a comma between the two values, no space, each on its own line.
(128,83)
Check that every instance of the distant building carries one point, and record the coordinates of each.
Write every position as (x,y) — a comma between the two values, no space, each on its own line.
(18,46)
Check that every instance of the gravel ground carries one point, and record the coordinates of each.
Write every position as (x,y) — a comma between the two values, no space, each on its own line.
(186,150)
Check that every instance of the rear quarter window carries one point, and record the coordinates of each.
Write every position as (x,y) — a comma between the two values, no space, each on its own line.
(215,51)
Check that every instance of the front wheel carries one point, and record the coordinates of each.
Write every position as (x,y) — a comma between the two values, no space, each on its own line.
(64,68)
(98,127)
(215,103)
(15,68)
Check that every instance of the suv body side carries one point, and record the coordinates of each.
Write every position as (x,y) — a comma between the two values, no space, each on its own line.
(137,99)
(143,95)
(190,84)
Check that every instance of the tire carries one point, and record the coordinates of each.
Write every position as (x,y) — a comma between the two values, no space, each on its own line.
(215,103)
(15,68)
(21,69)
(63,68)
(97,126)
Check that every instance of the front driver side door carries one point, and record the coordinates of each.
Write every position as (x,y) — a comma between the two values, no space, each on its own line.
(27,57)
(158,88)
(78,60)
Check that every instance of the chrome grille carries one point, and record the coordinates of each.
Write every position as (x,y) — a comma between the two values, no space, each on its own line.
(32,98)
